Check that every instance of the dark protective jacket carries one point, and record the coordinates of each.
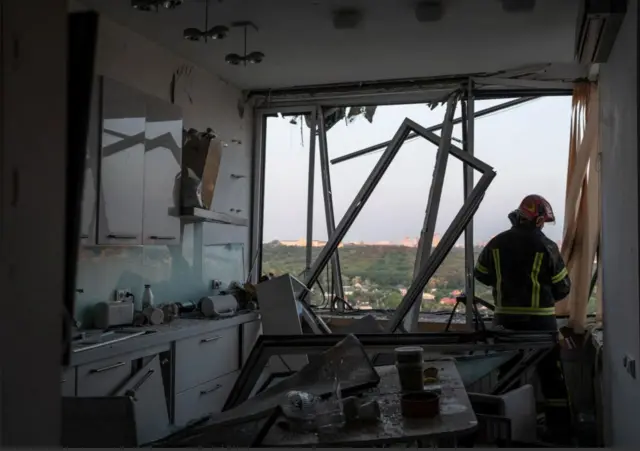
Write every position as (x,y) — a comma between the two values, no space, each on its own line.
(525,270)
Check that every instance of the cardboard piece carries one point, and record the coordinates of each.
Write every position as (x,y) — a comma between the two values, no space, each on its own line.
(201,156)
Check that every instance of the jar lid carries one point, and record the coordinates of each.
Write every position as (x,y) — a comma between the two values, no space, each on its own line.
(409,354)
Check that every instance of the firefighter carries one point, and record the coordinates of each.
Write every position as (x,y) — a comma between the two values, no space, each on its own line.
(528,276)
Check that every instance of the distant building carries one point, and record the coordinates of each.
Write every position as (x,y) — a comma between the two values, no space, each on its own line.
(303,243)
(403,291)
(428,297)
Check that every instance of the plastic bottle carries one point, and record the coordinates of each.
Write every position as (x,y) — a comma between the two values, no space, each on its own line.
(147,297)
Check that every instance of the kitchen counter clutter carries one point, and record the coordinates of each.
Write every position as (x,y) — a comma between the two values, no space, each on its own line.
(156,335)
(164,376)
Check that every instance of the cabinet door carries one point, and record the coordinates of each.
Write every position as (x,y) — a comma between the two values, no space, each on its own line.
(162,162)
(206,357)
(250,333)
(149,404)
(121,164)
(103,377)
(90,192)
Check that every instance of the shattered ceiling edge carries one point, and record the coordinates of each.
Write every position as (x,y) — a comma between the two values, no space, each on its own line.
(559,78)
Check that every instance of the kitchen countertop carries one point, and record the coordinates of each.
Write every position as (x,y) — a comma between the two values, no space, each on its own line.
(178,329)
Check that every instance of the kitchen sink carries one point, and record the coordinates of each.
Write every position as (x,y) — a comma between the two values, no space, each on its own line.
(97,340)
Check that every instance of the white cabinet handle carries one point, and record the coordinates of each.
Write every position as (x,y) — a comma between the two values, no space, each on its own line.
(211,390)
(107,368)
(210,339)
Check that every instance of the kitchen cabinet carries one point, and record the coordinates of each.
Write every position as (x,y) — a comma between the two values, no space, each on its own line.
(121,164)
(162,165)
(90,191)
(146,390)
(205,357)
(102,378)
(231,192)
(203,399)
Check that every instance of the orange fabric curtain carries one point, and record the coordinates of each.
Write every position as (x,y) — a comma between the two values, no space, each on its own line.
(582,208)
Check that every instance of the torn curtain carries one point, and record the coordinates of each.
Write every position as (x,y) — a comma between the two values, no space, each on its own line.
(582,208)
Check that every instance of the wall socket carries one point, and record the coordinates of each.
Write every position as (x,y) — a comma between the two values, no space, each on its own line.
(121,294)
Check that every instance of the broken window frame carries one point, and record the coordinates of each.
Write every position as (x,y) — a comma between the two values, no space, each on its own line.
(268,346)
(274,104)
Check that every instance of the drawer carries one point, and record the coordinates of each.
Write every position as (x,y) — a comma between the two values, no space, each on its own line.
(68,382)
(102,378)
(205,357)
(250,333)
(204,399)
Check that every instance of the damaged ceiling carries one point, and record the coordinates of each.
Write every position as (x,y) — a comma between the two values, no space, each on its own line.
(303,45)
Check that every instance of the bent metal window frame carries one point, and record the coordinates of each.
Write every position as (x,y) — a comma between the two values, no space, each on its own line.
(454,231)
(430,262)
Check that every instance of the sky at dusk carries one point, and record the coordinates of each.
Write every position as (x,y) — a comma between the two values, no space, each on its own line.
(527,146)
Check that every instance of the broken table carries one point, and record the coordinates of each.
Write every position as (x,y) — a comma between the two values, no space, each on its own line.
(456,417)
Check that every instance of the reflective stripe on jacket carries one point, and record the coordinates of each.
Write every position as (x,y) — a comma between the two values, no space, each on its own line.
(525,270)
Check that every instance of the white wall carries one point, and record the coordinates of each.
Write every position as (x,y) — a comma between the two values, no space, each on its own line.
(620,247)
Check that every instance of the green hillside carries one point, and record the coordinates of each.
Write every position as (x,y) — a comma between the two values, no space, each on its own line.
(374,273)
(377,274)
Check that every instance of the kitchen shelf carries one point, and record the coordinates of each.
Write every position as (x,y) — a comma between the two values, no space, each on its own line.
(202,215)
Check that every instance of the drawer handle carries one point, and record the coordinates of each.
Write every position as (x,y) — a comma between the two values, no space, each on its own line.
(207,340)
(63,381)
(84,236)
(121,237)
(107,368)
(159,238)
(211,390)
(131,393)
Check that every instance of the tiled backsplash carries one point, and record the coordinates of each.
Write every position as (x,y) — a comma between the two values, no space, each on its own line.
(175,273)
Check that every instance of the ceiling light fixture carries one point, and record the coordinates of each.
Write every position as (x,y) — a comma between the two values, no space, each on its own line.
(195,34)
(155,5)
(253,57)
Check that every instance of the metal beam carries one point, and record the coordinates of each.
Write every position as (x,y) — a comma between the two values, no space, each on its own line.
(438,343)
(358,203)
(489,94)
(382,92)
(459,223)
(328,204)
(257,194)
(521,83)
(468,143)
(433,206)
(372,181)
(444,247)
(310,189)
(433,128)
